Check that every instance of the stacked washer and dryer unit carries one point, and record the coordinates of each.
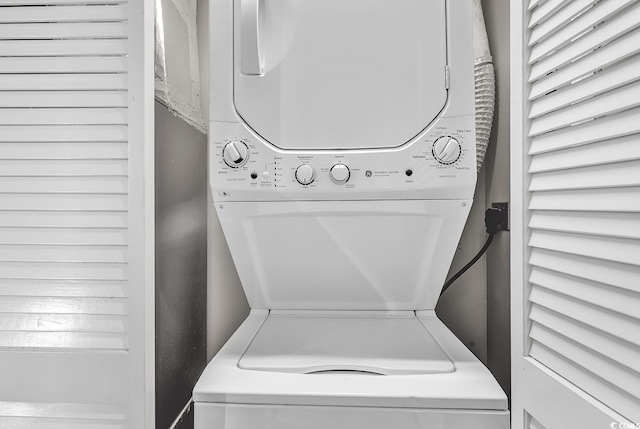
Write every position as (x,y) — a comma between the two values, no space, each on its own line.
(343,166)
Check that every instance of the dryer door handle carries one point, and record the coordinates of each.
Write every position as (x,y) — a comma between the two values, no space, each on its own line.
(251,61)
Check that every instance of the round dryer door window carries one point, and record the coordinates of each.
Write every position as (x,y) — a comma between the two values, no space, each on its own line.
(339,74)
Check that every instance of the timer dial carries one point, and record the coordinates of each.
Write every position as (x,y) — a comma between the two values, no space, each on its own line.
(446,150)
(235,154)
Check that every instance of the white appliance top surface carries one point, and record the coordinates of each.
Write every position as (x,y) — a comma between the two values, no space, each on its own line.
(344,75)
(391,345)
(470,386)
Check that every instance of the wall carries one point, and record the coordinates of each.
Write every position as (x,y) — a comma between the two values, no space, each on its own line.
(497,183)
(181,263)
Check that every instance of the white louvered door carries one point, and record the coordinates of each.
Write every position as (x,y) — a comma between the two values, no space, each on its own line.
(76,214)
(576,213)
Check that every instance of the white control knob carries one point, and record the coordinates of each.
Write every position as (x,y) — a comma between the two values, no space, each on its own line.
(235,154)
(305,174)
(340,173)
(446,150)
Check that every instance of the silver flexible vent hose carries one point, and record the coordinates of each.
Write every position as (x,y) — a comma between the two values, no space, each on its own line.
(485,83)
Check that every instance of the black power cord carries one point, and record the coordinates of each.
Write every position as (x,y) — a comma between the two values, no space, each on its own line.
(496,219)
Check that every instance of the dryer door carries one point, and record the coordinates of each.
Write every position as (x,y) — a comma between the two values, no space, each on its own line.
(339,74)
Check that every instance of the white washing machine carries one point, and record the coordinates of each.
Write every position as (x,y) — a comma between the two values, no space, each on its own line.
(343,166)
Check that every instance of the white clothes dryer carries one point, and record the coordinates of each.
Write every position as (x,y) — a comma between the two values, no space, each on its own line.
(343,165)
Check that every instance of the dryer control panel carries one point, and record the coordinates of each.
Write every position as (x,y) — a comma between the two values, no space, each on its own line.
(438,164)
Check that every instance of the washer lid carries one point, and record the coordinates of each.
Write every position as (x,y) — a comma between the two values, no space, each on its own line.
(336,74)
(386,344)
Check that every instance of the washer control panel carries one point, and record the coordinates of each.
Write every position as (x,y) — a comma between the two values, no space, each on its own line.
(440,163)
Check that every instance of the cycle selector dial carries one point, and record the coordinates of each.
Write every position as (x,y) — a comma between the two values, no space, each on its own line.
(340,173)
(305,174)
(235,154)
(446,150)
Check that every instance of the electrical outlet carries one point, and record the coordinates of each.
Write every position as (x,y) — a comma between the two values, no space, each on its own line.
(496,218)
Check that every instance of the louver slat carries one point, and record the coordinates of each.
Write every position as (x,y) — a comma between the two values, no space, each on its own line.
(59,2)
(613,224)
(66,150)
(68,116)
(65,288)
(64,322)
(594,362)
(601,247)
(64,213)
(68,236)
(63,219)
(624,352)
(63,253)
(608,31)
(570,64)
(63,133)
(572,28)
(557,20)
(595,294)
(534,3)
(20,99)
(62,48)
(64,270)
(544,10)
(35,14)
(620,149)
(86,64)
(604,128)
(597,200)
(68,340)
(66,202)
(606,104)
(583,378)
(64,411)
(597,176)
(63,167)
(606,80)
(63,305)
(61,82)
(65,185)
(71,30)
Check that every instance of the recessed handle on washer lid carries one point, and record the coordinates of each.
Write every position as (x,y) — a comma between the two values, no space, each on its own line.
(250,46)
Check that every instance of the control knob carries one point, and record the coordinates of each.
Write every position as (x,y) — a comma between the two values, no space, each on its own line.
(446,150)
(305,174)
(340,173)
(235,154)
